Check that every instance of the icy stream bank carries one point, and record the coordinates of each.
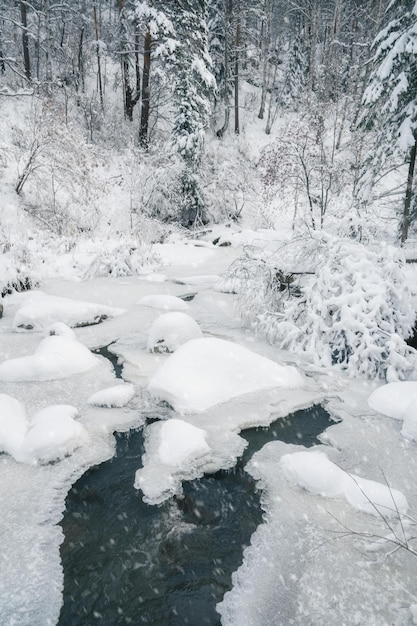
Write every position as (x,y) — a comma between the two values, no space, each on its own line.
(290,573)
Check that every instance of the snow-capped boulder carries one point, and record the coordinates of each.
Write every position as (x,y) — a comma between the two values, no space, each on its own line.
(41,310)
(57,356)
(399,401)
(53,434)
(113,397)
(313,471)
(180,442)
(13,424)
(206,371)
(171,330)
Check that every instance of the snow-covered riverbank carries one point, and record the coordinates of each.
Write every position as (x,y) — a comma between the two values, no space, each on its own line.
(293,572)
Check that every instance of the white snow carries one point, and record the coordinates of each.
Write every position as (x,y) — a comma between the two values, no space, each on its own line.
(55,357)
(204,372)
(170,330)
(116,396)
(393,399)
(166,302)
(180,442)
(49,435)
(313,471)
(13,424)
(53,434)
(41,310)
(399,401)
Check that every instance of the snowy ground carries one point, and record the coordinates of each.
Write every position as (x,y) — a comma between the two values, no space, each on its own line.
(297,569)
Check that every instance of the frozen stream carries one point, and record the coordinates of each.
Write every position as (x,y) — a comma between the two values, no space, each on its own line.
(128,562)
(291,572)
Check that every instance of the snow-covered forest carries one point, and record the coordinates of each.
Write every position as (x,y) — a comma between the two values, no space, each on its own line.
(208,235)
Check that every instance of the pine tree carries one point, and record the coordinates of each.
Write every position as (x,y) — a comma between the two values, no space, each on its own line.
(390,99)
(193,94)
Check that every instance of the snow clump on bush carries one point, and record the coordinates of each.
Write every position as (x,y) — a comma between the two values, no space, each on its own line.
(354,313)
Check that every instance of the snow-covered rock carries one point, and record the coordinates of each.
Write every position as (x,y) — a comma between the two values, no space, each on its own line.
(165,302)
(51,434)
(55,357)
(399,401)
(171,330)
(175,450)
(393,399)
(204,372)
(180,442)
(13,424)
(113,397)
(314,472)
(41,310)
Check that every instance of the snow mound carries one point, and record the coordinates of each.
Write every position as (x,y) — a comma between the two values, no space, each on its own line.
(50,435)
(166,302)
(171,330)
(399,401)
(204,372)
(61,329)
(314,472)
(113,397)
(13,423)
(174,451)
(41,310)
(393,399)
(56,357)
(180,442)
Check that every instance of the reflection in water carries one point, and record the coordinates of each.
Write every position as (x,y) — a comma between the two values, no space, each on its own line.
(126,562)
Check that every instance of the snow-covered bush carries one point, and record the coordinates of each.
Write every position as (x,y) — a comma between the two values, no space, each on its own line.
(121,257)
(354,313)
(16,273)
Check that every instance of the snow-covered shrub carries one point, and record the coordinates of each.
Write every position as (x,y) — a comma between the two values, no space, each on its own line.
(305,171)
(354,313)
(16,273)
(121,257)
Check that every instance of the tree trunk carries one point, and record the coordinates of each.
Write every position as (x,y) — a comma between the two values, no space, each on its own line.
(409,192)
(144,117)
(25,41)
(237,125)
(265,48)
(80,68)
(100,84)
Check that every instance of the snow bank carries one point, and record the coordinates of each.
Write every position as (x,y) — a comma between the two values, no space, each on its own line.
(113,397)
(55,357)
(399,401)
(170,330)
(314,472)
(166,302)
(204,372)
(51,434)
(41,310)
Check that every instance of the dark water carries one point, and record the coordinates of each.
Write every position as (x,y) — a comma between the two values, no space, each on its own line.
(129,563)
(114,360)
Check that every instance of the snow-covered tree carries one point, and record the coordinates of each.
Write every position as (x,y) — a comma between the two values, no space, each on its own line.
(391,96)
(193,94)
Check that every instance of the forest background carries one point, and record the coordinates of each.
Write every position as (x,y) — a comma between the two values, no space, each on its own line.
(125,123)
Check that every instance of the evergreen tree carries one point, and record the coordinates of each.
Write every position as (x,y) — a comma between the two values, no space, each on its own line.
(391,96)
(193,95)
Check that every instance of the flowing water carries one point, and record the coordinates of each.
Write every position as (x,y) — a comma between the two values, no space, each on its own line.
(126,562)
